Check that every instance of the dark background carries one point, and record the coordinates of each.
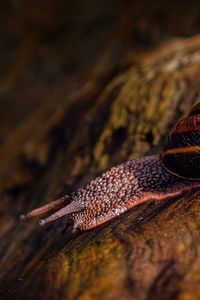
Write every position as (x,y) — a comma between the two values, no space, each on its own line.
(60,67)
(48,43)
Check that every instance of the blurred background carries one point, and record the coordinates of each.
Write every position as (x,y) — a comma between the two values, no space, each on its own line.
(62,66)
(48,45)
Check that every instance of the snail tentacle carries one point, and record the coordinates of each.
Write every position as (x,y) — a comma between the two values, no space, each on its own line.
(175,170)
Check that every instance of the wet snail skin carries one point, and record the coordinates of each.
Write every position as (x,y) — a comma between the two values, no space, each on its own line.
(157,177)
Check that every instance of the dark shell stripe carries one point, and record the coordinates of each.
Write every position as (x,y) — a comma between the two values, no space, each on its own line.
(178,164)
(154,177)
(183,140)
(189,124)
(181,155)
(195,110)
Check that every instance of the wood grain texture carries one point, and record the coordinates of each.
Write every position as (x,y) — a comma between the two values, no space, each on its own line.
(70,133)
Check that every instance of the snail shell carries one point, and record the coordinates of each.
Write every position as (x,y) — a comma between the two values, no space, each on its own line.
(181,155)
(155,177)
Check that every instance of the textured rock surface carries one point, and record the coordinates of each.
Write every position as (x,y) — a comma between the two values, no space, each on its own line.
(72,109)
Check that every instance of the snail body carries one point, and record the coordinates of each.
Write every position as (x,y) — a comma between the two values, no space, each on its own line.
(157,177)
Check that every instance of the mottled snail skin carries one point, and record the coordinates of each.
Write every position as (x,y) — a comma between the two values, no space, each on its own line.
(123,187)
(134,182)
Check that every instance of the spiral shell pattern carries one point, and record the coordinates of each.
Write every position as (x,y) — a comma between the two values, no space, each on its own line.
(181,155)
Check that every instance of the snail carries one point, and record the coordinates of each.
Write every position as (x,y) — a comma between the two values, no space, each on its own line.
(175,170)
